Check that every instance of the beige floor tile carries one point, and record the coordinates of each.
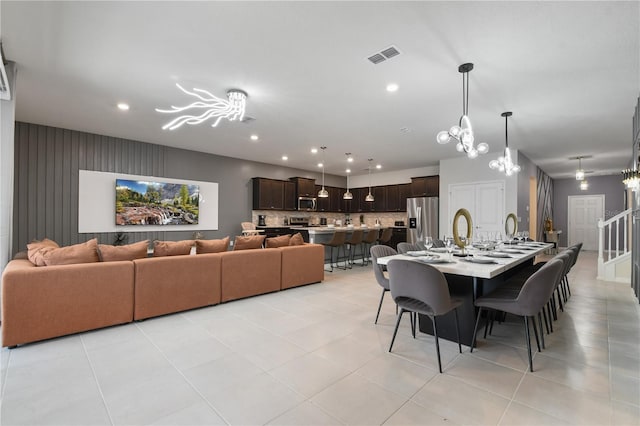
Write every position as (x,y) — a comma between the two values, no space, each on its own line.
(305,414)
(111,336)
(486,375)
(309,374)
(625,389)
(396,374)
(350,352)
(519,414)
(47,350)
(255,401)
(499,353)
(413,414)
(625,414)
(355,400)
(197,414)
(221,374)
(196,353)
(578,376)
(563,402)
(422,350)
(317,335)
(269,351)
(445,396)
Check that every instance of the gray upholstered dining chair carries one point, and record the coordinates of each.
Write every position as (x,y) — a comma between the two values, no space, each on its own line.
(378,270)
(419,288)
(403,248)
(527,303)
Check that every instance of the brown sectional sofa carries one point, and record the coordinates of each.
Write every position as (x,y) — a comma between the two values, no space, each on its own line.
(44,302)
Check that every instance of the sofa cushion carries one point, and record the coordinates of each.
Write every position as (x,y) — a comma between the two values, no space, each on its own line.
(172,248)
(280,241)
(248,242)
(296,240)
(37,249)
(108,253)
(86,252)
(212,246)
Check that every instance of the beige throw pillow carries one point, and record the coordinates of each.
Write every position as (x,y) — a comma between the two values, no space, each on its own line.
(37,249)
(132,251)
(248,242)
(172,248)
(280,241)
(212,246)
(296,240)
(78,253)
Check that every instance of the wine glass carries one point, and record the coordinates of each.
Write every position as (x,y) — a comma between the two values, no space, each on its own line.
(519,237)
(448,242)
(525,234)
(428,243)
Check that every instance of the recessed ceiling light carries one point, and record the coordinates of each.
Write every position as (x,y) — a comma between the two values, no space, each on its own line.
(314,150)
(392,87)
(348,170)
(378,166)
(123,107)
(254,137)
(285,158)
(319,164)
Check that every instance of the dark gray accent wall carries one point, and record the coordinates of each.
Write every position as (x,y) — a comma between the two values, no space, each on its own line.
(611,186)
(47,161)
(544,188)
(528,170)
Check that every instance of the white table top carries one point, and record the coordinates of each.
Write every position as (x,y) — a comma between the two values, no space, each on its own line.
(464,268)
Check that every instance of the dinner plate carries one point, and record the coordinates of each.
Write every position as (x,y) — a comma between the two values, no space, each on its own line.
(497,255)
(438,250)
(417,253)
(479,260)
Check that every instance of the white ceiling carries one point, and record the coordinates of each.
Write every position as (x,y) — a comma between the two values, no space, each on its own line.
(569,71)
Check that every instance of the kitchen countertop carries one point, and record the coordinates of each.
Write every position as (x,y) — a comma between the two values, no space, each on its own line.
(328,230)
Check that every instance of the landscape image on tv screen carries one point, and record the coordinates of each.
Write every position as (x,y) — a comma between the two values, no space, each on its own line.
(156,203)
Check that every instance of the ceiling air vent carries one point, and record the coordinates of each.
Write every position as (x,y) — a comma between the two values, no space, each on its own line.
(383,55)
(5,91)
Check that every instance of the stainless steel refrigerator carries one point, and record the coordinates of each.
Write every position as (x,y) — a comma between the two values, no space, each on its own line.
(423,218)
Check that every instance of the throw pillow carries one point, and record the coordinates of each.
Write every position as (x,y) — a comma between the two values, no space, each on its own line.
(172,248)
(78,253)
(212,246)
(133,251)
(37,249)
(280,241)
(296,240)
(248,242)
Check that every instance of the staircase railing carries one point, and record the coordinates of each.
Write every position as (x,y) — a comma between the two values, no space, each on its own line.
(611,231)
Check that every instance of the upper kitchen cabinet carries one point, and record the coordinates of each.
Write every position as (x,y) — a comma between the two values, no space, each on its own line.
(305,187)
(426,186)
(268,194)
(323,204)
(404,192)
(290,198)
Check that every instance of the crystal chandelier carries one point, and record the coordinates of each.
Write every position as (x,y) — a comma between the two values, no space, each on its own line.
(463,133)
(348,195)
(504,163)
(207,107)
(323,193)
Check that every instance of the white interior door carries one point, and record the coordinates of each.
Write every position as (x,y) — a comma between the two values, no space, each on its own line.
(485,202)
(584,212)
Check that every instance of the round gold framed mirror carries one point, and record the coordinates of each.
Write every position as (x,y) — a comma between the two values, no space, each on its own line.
(467,216)
(507,229)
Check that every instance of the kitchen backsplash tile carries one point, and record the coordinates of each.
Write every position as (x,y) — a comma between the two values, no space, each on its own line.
(277,218)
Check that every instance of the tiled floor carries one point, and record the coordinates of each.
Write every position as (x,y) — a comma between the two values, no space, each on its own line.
(312,355)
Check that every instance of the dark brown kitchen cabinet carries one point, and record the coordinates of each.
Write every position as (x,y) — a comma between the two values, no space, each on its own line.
(426,186)
(268,194)
(404,192)
(393,198)
(290,198)
(305,187)
(323,204)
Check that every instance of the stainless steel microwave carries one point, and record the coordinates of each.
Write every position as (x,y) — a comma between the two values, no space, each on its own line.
(307,204)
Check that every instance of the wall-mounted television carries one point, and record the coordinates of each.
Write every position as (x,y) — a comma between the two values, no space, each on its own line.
(156,203)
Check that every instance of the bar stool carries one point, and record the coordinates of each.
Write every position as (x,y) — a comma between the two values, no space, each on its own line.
(337,242)
(368,241)
(386,236)
(354,242)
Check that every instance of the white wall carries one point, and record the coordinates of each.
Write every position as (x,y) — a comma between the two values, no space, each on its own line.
(391,178)
(7,127)
(464,170)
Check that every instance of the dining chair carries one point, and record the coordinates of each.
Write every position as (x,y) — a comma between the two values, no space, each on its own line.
(403,248)
(249,228)
(419,288)
(527,303)
(378,270)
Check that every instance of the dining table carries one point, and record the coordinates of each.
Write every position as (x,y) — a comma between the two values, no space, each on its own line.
(471,274)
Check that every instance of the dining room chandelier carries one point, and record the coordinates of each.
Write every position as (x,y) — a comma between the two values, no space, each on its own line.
(348,195)
(580,171)
(207,107)
(323,193)
(505,163)
(631,179)
(463,132)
